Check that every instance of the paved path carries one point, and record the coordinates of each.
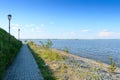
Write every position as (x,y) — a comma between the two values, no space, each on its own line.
(24,67)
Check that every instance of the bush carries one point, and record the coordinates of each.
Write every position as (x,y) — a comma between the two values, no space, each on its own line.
(66,50)
(112,66)
(46,45)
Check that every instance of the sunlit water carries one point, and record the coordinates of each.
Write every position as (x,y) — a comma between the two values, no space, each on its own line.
(97,49)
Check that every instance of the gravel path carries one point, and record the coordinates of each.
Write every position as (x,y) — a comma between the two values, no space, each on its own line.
(24,67)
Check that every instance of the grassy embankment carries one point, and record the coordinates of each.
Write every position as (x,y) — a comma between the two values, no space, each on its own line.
(45,57)
(7,52)
(58,65)
(52,63)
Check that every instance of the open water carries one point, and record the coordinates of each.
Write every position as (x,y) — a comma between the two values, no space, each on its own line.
(96,49)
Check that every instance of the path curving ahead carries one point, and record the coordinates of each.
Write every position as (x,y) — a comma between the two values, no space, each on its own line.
(24,67)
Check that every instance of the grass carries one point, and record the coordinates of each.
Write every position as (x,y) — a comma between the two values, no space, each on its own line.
(7,51)
(45,70)
(112,66)
(43,56)
(56,65)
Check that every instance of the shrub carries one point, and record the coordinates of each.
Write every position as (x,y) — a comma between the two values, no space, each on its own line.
(46,45)
(112,66)
(66,50)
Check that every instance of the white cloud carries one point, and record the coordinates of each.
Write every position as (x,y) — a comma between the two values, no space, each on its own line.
(28,30)
(105,34)
(42,25)
(72,34)
(69,35)
(15,27)
(38,29)
(118,33)
(85,30)
(33,25)
(33,28)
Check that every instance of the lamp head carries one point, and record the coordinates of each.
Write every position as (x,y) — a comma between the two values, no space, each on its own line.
(9,17)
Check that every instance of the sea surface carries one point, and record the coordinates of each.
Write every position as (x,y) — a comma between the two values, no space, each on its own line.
(96,49)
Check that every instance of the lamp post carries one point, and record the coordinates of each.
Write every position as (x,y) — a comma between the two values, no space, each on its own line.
(18,34)
(9,18)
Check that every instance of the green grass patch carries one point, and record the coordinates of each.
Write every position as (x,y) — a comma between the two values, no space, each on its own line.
(7,51)
(45,70)
(44,55)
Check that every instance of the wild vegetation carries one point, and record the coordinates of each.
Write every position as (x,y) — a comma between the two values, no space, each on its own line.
(112,66)
(8,51)
(66,50)
(59,65)
(44,56)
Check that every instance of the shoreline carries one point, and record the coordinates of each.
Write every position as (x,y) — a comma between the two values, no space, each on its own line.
(89,63)
(104,53)
(83,58)
(66,66)
(80,56)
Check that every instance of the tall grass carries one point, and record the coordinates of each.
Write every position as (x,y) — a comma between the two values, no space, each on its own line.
(43,55)
(7,51)
(112,66)
(58,66)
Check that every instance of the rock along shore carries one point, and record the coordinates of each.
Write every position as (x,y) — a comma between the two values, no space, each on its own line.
(81,68)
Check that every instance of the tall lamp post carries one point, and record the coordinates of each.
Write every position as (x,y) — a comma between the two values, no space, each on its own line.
(9,18)
(18,34)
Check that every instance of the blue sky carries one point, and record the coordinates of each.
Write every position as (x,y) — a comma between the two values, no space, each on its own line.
(62,19)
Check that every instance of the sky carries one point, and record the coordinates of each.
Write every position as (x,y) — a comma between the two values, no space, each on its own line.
(62,19)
